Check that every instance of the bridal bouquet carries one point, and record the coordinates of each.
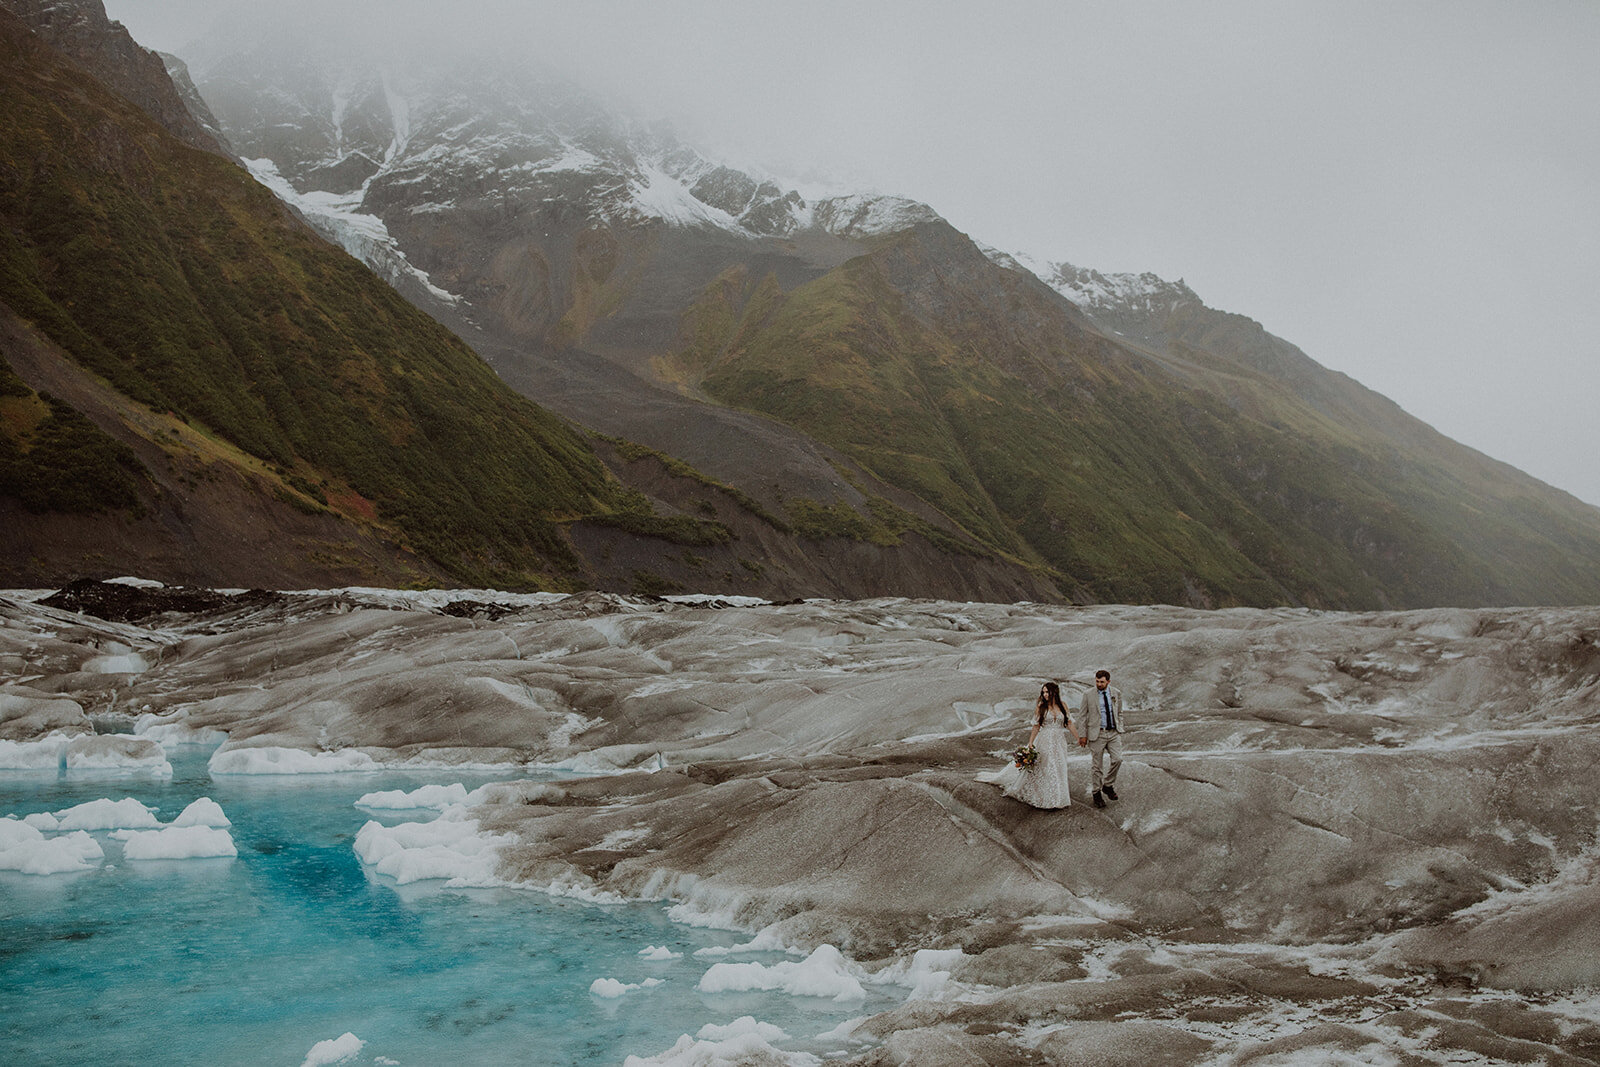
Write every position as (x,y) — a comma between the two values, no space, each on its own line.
(1026,756)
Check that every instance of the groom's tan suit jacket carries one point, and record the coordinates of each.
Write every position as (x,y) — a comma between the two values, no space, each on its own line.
(1090,713)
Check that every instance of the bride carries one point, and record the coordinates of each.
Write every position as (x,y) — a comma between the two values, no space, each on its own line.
(1043,785)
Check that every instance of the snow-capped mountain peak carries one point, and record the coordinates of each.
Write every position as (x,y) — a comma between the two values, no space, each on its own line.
(486,136)
(1094,291)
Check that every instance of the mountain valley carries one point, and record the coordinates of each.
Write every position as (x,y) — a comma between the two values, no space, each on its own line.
(797,394)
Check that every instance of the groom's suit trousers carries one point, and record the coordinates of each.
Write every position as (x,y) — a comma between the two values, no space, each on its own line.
(1109,742)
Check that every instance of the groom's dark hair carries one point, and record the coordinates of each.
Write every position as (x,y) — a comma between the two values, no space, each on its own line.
(1103,674)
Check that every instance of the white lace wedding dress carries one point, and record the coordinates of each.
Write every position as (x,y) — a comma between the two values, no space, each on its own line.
(1044,785)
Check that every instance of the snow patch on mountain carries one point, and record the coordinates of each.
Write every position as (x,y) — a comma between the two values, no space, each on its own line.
(335,216)
(1094,290)
(867,215)
(656,194)
(570,158)
(400,115)
(360,145)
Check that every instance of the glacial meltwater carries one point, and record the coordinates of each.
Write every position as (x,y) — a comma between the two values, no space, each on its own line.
(275,955)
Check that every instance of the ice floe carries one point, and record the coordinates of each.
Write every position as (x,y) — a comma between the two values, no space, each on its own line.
(166,730)
(436,797)
(611,988)
(116,752)
(203,812)
(742,1050)
(43,754)
(452,849)
(926,972)
(764,941)
(824,973)
(341,1049)
(744,1024)
(26,850)
(272,760)
(176,843)
(197,833)
(659,952)
(107,814)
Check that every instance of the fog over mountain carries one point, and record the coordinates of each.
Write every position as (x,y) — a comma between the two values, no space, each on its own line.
(1411,206)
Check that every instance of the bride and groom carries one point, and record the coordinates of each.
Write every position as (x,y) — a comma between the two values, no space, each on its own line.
(1043,784)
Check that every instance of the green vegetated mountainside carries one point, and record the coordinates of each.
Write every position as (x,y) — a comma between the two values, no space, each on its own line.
(182,285)
(986,394)
(871,405)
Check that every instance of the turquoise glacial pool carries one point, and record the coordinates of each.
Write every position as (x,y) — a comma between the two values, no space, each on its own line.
(255,960)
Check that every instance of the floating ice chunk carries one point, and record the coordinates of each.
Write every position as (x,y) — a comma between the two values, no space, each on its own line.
(926,972)
(451,849)
(43,754)
(288,761)
(25,850)
(824,973)
(203,812)
(746,1050)
(166,731)
(611,988)
(116,752)
(744,1024)
(76,851)
(437,797)
(341,1049)
(659,952)
(575,885)
(177,843)
(42,820)
(764,941)
(125,814)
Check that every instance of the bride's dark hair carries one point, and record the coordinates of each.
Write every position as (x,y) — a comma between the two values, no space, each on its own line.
(1049,697)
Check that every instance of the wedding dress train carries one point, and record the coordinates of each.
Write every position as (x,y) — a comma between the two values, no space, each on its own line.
(1044,785)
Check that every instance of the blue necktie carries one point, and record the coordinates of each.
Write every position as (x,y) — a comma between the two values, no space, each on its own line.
(1105,702)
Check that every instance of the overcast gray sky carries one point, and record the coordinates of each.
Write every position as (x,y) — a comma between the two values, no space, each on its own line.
(1410,192)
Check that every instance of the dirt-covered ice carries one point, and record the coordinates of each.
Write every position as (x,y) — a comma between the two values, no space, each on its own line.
(1339,838)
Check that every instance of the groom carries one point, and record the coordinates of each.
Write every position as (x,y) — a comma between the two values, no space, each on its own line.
(1101,729)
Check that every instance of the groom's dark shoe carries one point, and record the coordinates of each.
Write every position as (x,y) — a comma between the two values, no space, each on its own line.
(1099,801)
(1111,794)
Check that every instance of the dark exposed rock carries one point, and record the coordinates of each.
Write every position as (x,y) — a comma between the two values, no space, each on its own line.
(345,176)
(81,30)
(120,602)
(477,609)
